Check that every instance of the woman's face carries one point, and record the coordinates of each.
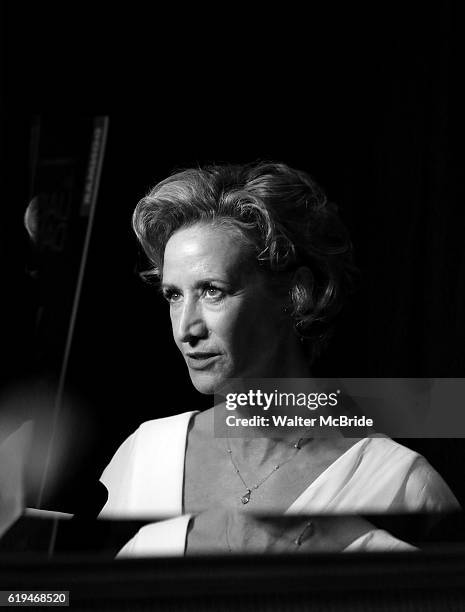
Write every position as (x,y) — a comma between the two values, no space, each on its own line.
(225,321)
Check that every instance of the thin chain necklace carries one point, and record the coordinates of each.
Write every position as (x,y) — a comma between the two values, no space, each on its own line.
(248,490)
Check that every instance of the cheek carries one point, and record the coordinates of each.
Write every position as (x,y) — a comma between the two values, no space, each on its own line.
(174,324)
(249,327)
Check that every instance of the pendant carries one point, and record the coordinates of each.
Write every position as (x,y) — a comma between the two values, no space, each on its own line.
(246,498)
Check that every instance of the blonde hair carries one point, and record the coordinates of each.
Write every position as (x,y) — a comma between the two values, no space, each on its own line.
(285,221)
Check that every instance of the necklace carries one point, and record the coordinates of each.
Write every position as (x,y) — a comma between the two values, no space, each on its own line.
(248,490)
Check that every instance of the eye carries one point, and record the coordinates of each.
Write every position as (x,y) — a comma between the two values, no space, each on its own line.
(171,295)
(213,294)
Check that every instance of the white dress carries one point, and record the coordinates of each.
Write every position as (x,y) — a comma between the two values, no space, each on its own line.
(376,475)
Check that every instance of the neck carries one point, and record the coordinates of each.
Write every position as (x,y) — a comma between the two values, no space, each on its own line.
(289,360)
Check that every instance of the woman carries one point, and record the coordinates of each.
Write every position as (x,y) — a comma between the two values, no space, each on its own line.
(254,263)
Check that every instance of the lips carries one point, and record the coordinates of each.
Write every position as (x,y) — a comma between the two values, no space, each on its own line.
(200,360)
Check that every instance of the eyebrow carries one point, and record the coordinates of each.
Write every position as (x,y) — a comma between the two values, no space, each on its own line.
(198,284)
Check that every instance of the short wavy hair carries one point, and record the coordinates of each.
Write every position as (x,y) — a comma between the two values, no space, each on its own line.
(283,217)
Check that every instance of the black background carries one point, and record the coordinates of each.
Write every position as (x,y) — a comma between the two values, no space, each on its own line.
(364,97)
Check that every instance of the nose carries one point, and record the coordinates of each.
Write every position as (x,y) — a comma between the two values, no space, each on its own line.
(190,325)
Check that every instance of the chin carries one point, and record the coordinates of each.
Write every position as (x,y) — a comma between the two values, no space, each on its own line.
(206,384)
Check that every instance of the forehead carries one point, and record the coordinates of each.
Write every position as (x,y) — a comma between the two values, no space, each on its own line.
(204,251)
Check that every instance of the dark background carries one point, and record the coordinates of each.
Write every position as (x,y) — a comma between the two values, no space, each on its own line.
(365,98)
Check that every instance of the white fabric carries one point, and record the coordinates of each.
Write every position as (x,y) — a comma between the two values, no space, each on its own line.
(165,538)
(378,540)
(375,475)
(145,476)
